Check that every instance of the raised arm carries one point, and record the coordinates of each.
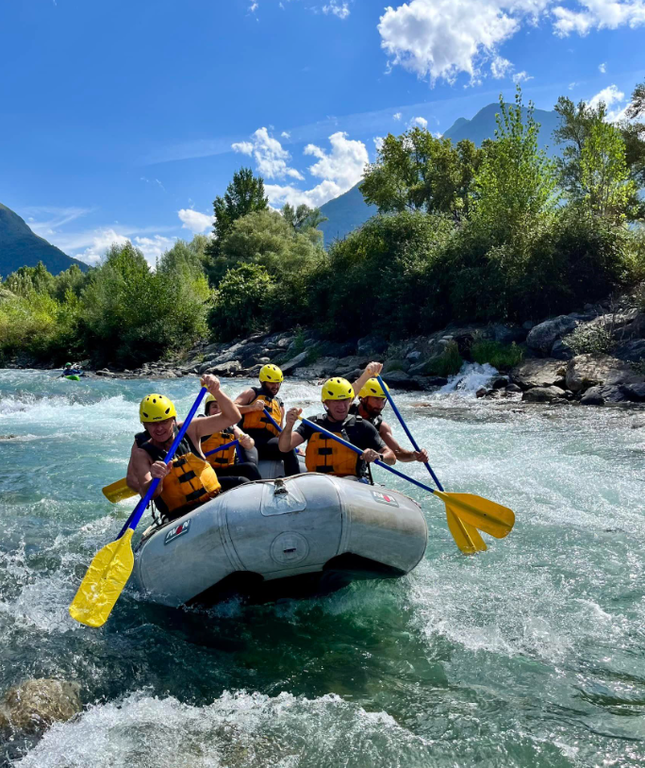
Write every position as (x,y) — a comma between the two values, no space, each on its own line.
(289,439)
(371,370)
(229,413)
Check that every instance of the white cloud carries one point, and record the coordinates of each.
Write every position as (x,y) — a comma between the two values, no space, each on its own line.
(420,122)
(45,220)
(253,7)
(338,9)
(500,67)
(344,164)
(603,67)
(244,147)
(378,142)
(285,135)
(572,85)
(340,169)
(153,247)
(521,77)
(397,115)
(610,96)
(270,157)
(440,39)
(599,14)
(195,221)
(101,240)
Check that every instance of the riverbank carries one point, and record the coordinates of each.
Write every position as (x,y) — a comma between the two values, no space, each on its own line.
(592,357)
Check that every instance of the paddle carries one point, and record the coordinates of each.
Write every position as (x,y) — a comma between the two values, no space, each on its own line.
(120,490)
(272,420)
(466,536)
(111,567)
(486,515)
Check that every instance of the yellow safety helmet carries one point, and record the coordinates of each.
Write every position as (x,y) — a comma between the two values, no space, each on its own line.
(337,389)
(209,399)
(372,388)
(271,373)
(156,408)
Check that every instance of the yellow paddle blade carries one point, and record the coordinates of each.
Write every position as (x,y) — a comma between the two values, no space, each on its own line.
(118,491)
(485,515)
(108,573)
(466,536)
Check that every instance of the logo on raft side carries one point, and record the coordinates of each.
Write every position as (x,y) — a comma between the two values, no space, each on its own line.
(384,498)
(178,530)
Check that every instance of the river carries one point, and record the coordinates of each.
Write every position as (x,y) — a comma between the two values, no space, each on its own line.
(530,654)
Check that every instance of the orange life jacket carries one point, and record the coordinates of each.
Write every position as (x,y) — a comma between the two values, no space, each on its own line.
(326,455)
(257,419)
(190,482)
(222,458)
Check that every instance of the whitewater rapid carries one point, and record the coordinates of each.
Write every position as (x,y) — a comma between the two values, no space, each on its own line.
(531,654)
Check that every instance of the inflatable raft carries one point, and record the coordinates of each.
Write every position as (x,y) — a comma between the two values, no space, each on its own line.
(287,537)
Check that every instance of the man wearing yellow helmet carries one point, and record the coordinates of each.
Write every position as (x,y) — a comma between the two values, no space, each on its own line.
(188,480)
(252,403)
(326,455)
(371,402)
(234,462)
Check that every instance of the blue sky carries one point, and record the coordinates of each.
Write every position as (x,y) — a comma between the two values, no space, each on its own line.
(125,119)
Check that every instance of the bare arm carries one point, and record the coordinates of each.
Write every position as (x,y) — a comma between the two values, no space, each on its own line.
(246,441)
(289,439)
(229,413)
(400,454)
(142,471)
(371,370)
(242,402)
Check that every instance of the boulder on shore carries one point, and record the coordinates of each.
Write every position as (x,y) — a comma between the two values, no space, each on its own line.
(543,395)
(585,371)
(35,704)
(542,336)
(539,372)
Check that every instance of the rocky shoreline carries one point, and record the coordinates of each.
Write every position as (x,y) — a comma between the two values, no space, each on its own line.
(609,369)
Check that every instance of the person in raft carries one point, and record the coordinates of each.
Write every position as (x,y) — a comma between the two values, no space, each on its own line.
(255,423)
(188,480)
(236,461)
(326,455)
(371,402)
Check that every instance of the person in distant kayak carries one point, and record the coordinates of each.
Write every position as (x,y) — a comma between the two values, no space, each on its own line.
(188,480)
(241,460)
(371,402)
(72,370)
(326,455)
(252,404)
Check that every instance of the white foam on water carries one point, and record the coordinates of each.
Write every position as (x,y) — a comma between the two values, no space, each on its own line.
(470,378)
(237,729)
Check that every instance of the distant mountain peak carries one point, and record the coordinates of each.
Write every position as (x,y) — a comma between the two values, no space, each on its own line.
(20,247)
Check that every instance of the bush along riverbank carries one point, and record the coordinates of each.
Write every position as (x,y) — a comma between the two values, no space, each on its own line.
(593,357)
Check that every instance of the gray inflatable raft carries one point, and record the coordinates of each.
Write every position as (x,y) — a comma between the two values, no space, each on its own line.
(294,537)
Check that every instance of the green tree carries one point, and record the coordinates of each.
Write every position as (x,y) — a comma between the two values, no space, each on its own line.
(243,195)
(240,301)
(515,188)
(303,218)
(606,188)
(418,172)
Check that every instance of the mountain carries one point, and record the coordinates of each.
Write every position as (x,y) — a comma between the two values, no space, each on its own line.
(483,126)
(344,214)
(20,247)
(349,211)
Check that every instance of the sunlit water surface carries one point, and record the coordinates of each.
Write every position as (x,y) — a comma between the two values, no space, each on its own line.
(531,654)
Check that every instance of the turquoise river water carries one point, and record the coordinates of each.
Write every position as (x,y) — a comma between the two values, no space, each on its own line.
(531,654)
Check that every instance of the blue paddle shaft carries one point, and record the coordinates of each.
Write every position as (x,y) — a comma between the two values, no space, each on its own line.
(407,431)
(272,420)
(351,447)
(222,447)
(138,511)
